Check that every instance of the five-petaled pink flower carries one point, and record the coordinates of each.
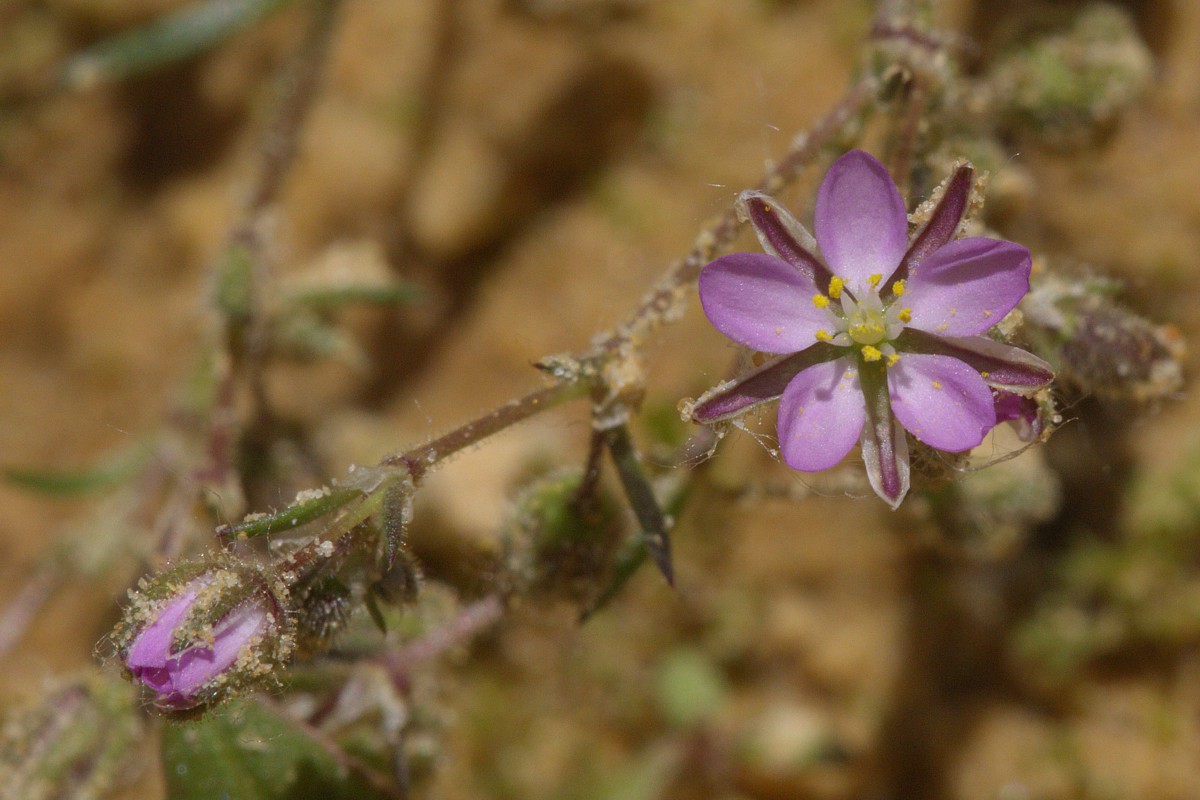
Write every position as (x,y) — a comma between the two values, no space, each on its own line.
(884,335)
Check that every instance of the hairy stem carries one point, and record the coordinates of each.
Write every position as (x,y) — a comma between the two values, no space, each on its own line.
(422,459)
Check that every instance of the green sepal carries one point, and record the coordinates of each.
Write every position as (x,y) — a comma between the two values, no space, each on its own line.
(291,517)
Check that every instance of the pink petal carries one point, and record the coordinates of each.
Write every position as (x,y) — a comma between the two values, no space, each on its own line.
(967,286)
(1022,412)
(152,647)
(762,302)
(196,666)
(860,220)
(941,401)
(821,415)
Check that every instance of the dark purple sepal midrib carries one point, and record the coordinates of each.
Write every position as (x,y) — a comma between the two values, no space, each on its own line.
(1002,366)
(941,227)
(767,217)
(760,385)
(884,449)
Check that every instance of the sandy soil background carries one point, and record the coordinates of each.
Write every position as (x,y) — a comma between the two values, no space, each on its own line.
(576,154)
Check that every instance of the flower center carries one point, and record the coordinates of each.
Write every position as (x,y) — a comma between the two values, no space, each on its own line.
(867,325)
(863,319)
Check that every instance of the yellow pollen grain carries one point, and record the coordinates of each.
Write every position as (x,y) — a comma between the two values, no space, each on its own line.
(942,327)
(871,353)
(778,330)
(984,374)
(954,312)
(987,313)
(937,385)
(898,288)
(892,359)
(874,280)
(835,287)
(821,301)
(823,336)
(905,315)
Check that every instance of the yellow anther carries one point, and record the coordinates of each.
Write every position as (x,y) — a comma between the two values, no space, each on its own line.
(874,280)
(871,353)
(820,301)
(892,359)
(835,287)
(823,336)
(898,288)
(905,315)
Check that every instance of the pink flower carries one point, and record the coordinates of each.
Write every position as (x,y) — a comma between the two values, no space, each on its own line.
(882,336)
(188,676)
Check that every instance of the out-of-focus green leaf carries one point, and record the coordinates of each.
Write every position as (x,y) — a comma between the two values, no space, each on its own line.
(235,284)
(291,517)
(175,37)
(113,471)
(76,742)
(334,296)
(690,688)
(306,336)
(249,752)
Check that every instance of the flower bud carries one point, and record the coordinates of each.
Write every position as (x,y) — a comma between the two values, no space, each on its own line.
(218,632)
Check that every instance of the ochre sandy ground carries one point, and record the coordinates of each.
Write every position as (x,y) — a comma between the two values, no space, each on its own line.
(113,202)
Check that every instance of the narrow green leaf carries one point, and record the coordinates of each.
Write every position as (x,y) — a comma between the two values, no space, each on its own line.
(632,554)
(629,560)
(641,498)
(249,752)
(371,600)
(291,517)
(183,34)
(113,471)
